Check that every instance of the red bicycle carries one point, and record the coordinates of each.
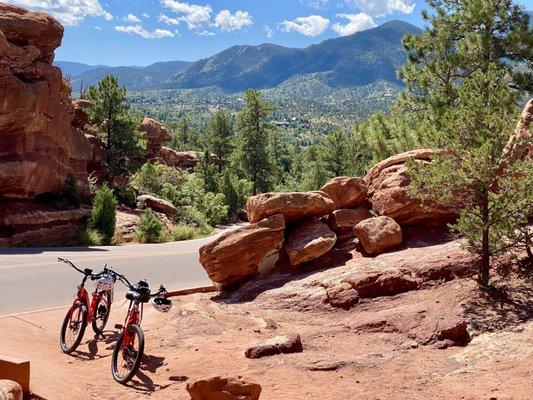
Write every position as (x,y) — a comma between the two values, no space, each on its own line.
(82,312)
(129,349)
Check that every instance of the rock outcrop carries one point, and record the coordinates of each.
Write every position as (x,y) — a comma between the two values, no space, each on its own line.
(295,206)
(343,221)
(377,235)
(520,144)
(388,183)
(219,388)
(346,192)
(37,149)
(10,390)
(156,204)
(156,135)
(244,252)
(309,241)
(284,344)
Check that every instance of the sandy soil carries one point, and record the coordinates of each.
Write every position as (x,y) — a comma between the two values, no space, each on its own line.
(381,349)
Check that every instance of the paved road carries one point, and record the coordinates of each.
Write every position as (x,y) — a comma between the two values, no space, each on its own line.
(31,278)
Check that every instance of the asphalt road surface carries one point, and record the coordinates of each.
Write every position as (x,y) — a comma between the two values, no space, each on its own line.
(32,279)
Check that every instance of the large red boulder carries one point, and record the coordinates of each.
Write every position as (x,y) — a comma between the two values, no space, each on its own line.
(295,206)
(309,241)
(346,192)
(244,252)
(377,235)
(220,388)
(388,184)
(343,221)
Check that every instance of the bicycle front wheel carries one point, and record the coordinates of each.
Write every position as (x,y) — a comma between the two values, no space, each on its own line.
(127,354)
(101,312)
(73,328)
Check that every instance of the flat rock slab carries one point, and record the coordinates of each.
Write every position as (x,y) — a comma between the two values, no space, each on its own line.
(284,344)
(219,388)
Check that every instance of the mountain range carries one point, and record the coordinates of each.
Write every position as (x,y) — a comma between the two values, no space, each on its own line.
(355,60)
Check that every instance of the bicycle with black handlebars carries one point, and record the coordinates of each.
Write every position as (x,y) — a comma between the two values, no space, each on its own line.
(129,349)
(84,311)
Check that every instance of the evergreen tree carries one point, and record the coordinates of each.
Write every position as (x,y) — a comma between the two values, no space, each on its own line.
(494,202)
(334,154)
(184,137)
(219,137)
(251,156)
(103,212)
(463,37)
(117,127)
(207,172)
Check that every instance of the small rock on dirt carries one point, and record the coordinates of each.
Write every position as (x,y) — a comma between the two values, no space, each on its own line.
(222,388)
(284,344)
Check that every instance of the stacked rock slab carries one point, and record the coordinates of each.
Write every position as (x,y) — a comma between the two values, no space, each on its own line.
(244,252)
(388,184)
(309,241)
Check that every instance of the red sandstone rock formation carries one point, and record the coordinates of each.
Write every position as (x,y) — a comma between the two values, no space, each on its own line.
(346,192)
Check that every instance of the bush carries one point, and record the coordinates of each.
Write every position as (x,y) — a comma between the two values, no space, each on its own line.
(214,208)
(186,232)
(103,213)
(153,178)
(150,228)
(90,237)
(71,191)
(126,195)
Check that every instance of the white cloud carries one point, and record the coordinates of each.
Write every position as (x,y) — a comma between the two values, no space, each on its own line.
(196,16)
(169,20)
(98,28)
(312,25)
(356,23)
(268,31)
(140,31)
(146,15)
(318,4)
(131,18)
(379,8)
(68,12)
(206,33)
(227,21)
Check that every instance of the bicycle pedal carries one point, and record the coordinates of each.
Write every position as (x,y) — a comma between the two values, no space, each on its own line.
(118,326)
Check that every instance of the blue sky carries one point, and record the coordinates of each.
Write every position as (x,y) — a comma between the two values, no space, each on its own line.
(140,32)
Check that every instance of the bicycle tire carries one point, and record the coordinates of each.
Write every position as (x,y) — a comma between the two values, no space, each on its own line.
(96,328)
(134,329)
(81,330)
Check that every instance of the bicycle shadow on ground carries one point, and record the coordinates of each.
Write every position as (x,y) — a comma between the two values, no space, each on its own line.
(107,338)
(142,382)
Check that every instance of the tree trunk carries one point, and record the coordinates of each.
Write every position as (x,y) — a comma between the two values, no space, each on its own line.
(484,269)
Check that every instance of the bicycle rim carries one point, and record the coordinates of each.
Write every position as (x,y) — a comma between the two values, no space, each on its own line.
(128,354)
(101,313)
(73,328)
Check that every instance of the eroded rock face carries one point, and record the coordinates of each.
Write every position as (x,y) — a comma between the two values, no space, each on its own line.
(309,241)
(377,235)
(244,252)
(520,144)
(388,183)
(156,135)
(294,206)
(37,149)
(346,192)
(220,388)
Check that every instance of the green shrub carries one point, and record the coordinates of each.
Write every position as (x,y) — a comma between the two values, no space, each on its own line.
(103,213)
(90,237)
(71,191)
(152,178)
(126,195)
(150,228)
(214,208)
(186,232)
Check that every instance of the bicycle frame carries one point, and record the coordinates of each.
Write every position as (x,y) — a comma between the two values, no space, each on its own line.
(83,296)
(133,317)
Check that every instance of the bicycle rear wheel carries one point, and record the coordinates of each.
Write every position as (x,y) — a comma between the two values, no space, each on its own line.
(73,328)
(127,354)
(101,312)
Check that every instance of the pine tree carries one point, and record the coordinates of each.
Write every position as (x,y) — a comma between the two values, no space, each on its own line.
(184,137)
(207,172)
(494,203)
(462,37)
(219,137)
(117,127)
(334,154)
(251,156)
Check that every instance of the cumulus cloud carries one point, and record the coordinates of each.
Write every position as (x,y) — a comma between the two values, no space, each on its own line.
(169,20)
(227,21)
(196,16)
(140,31)
(68,12)
(131,18)
(356,23)
(379,8)
(146,15)
(313,25)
